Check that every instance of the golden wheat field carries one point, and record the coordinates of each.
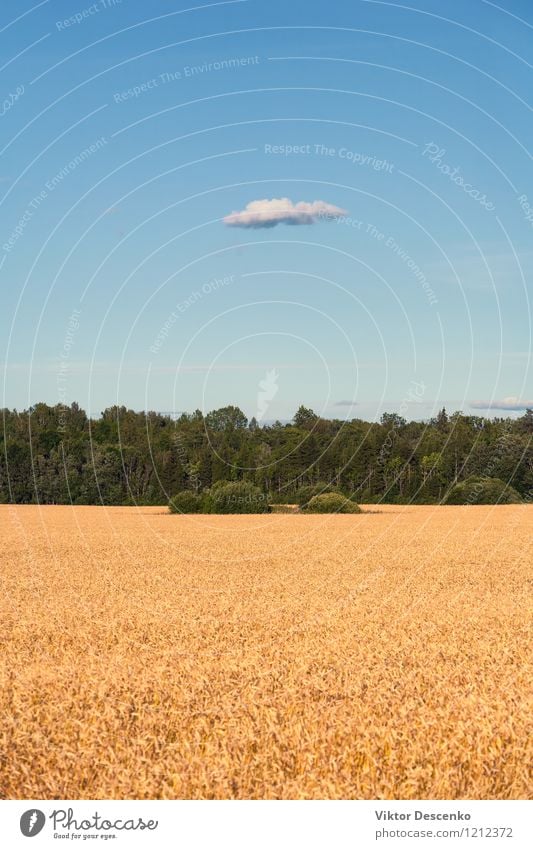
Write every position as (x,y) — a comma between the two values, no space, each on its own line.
(382,655)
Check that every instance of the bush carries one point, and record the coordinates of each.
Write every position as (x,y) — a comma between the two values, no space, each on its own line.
(331,502)
(307,492)
(236,497)
(185,502)
(478,490)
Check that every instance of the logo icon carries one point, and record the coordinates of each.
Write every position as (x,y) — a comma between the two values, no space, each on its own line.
(268,389)
(32,822)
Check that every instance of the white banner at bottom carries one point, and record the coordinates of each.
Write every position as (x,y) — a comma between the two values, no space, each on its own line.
(267,824)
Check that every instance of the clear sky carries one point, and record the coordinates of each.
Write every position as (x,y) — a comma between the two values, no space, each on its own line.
(148,256)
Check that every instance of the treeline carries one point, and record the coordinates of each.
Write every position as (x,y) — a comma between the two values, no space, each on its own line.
(57,455)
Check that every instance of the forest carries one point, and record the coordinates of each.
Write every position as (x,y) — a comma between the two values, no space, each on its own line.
(59,455)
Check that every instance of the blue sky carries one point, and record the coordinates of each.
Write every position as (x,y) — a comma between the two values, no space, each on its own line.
(131,131)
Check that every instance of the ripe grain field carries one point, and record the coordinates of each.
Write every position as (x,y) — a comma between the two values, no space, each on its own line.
(375,656)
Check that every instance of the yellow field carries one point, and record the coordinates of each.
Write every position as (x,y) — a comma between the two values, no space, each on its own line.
(154,656)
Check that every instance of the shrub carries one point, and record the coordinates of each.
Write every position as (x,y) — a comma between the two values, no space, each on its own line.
(331,502)
(478,490)
(236,497)
(307,492)
(185,502)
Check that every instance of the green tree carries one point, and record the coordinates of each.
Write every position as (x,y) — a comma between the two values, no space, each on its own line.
(226,418)
(304,417)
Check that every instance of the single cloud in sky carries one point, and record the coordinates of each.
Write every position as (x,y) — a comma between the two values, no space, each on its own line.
(509,403)
(268,213)
(346,403)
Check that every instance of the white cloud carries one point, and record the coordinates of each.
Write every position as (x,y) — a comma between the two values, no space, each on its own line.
(509,403)
(268,213)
